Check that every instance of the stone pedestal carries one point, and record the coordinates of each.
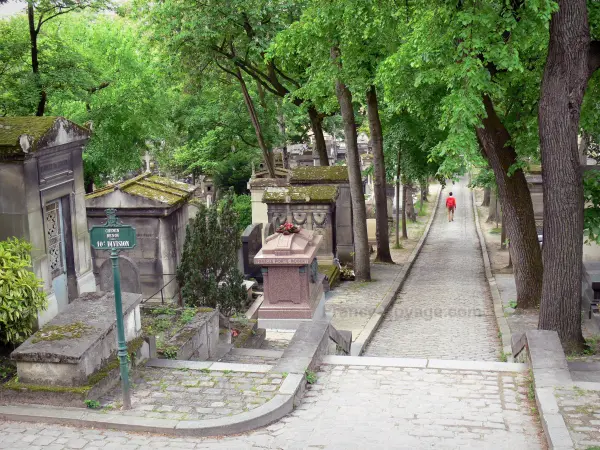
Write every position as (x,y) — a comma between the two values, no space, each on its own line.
(293,287)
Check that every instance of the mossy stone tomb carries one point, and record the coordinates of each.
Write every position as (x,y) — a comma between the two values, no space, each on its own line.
(159,210)
(308,207)
(78,343)
(342,237)
(42,201)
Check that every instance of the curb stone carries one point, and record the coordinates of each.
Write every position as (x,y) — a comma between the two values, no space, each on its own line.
(307,348)
(544,352)
(358,346)
(503,327)
(279,406)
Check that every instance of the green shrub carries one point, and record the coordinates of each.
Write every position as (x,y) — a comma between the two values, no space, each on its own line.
(21,294)
(242,205)
(208,273)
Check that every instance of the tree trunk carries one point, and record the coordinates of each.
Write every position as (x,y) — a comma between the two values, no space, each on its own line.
(316,123)
(267,153)
(398,198)
(424,191)
(487,193)
(583,147)
(494,210)
(516,207)
(35,65)
(281,122)
(380,187)
(503,236)
(571,61)
(410,204)
(362,265)
(404,194)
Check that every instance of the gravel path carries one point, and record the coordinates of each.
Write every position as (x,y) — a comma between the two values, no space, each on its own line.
(444,310)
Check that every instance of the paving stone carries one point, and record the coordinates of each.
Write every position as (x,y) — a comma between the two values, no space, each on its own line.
(445,309)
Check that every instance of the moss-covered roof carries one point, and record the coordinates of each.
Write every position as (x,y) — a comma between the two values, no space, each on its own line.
(12,128)
(163,190)
(320,174)
(302,194)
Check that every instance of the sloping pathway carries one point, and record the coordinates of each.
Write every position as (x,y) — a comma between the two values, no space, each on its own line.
(444,310)
(395,404)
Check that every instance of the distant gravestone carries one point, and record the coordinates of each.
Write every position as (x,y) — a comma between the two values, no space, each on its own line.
(251,244)
(268,230)
(130,276)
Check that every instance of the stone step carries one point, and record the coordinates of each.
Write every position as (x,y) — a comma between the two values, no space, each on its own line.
(252,356)
(447,364)
(208,365)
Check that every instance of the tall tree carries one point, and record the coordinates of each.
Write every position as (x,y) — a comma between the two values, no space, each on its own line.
(483,57)
(39,12)
(379,175)
(572,59)
(235,39)
(362,265)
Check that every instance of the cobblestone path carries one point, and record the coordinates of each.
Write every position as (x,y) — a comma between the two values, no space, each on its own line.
(444,310)
(351,407)
(193,394)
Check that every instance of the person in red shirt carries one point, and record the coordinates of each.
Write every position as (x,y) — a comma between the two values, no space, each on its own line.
(451,205)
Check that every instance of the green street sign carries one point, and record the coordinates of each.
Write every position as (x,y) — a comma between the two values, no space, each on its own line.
(115,236)
(105,237)
(112,235)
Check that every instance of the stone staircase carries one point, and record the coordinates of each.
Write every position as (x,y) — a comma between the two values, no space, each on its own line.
(252,356)
(263,348)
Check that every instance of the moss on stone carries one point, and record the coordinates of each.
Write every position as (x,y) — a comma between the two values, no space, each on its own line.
(302,194)
(331,271)
(132,348)
(152,187)
(180,186)
(320,174)
(15,385)
(61,332)
(153,194)
(246,333)
(11,128)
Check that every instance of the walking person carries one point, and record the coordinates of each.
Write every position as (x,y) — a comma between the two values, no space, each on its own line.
(451,205)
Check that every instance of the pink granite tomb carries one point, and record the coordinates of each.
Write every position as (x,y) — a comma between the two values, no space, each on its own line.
(293,287)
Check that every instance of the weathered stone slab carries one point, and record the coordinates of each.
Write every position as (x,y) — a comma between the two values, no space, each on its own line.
(199,338)
(251,243)
(76,343)
(545,350)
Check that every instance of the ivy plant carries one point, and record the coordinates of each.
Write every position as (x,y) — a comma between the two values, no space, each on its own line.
(21,293)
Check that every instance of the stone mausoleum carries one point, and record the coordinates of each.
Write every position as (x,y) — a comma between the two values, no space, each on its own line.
(317,178)
(158,209)
(42,201)
(309,207)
